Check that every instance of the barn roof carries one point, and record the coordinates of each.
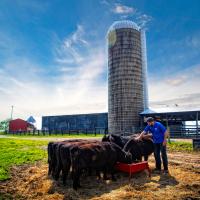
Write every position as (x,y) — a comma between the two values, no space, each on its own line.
(168,110)
(173,113)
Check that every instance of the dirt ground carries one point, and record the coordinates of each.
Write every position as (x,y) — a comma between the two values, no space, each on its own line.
(183,182)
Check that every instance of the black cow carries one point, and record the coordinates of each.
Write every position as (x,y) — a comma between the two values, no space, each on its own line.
(64,158)
(119,140)
(50,153)
(52,157)
(101,157)
(138,149)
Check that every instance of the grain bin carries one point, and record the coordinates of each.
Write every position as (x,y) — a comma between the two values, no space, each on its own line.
(127,92)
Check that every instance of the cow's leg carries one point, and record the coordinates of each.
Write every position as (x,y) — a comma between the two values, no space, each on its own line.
(89,171)
(76,179)
(113,176)
(98,174)
(49,158)
(57,171)
(53,170)
(139,159)
(54,163)
(112,172)
(105,174)
(58,162)
(65,171)
(49,168)
(145,157)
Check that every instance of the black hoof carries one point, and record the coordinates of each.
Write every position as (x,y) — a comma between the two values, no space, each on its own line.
(114,179)
(64,184)
(75,187)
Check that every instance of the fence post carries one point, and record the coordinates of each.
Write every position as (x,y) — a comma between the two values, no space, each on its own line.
(106,131)
(197,123)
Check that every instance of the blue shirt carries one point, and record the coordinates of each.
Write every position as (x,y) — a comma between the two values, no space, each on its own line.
(157,130)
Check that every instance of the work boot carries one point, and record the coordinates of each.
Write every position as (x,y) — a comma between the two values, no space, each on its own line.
(166,172)
(157,171)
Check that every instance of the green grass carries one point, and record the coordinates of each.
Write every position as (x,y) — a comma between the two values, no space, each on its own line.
(2,132)
(180,146)
(17,152)
(73,135)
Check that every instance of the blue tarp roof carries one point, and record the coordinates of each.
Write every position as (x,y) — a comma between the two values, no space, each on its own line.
(31,120)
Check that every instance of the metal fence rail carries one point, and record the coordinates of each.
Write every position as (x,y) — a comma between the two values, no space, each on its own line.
(44,132)
(189,133)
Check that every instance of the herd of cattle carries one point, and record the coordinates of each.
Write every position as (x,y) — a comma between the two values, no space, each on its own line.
(86,156)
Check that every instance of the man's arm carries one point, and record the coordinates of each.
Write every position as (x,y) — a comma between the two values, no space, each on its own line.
(144,135)
(141,135)
(147,136)
(165,138)
(144,132)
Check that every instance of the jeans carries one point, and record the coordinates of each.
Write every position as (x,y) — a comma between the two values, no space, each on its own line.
(159,148)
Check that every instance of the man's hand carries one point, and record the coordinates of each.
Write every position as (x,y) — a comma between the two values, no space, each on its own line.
(147,136)
(164,142)
(138,138)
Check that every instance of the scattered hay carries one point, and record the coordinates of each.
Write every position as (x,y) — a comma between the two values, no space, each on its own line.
(32,182)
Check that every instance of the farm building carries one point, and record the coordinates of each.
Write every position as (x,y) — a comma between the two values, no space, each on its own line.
(181,123)
(97,122)
(19,125)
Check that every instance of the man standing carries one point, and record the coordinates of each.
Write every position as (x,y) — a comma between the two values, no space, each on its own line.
(159,134)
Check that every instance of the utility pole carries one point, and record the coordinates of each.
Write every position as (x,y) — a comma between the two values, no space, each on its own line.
(11,112)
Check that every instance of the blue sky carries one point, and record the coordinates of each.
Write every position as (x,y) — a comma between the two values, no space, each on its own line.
(53,57)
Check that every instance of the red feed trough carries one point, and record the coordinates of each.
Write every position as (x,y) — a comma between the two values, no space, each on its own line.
(133,168)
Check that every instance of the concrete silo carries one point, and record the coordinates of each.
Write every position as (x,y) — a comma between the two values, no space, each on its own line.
(127,89)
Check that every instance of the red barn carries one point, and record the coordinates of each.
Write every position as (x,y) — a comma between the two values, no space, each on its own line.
(18,125)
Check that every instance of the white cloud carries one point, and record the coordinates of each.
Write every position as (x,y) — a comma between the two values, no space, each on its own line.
(70,49)
(193,40)
(143,19)
(181,88)
(125,12)
(178,80)
(64,88)
(122,9)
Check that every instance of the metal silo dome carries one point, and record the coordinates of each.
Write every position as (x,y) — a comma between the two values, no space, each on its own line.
(123,24)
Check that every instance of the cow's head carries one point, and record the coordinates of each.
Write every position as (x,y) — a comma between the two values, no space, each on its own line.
(106,138)
(128,157)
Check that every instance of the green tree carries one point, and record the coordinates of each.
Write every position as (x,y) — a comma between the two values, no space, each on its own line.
(4,125)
